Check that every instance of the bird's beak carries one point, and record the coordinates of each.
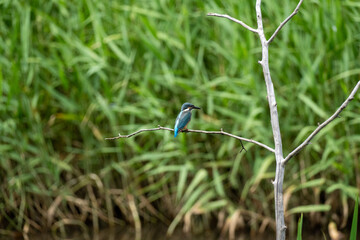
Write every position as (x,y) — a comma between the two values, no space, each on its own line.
(194,107)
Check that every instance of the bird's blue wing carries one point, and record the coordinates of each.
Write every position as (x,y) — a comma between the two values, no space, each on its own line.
(181,121)
(184,119)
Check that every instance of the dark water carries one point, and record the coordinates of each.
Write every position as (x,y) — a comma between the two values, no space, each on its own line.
(148,233)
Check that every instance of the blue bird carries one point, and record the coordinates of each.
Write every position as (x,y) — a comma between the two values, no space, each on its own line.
(183,118)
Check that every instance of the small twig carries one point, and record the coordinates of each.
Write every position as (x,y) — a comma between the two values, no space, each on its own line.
(284,22)
(242,147)
(139,131)
(321,126)
(234,20)
(221,132)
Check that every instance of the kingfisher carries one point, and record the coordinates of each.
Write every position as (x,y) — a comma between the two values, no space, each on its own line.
(183,118)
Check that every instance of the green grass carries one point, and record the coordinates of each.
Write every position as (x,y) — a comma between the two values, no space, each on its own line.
(75,72)
(354,225)
(299,229)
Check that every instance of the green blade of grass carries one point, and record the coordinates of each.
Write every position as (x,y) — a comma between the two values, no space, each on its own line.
(299,232)
(354,225)
(310,208)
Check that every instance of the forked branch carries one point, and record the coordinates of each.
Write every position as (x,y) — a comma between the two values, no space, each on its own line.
(321,126)
(280,161)
(221,132)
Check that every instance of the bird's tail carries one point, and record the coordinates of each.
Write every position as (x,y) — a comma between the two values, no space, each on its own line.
(176,132)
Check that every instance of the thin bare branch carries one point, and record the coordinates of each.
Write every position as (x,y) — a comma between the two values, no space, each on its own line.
(234,20)
(139,131)
(321,126)
(284,22)
(275,125)
(221,132)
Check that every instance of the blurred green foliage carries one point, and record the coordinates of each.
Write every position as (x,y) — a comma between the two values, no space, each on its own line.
(75,72)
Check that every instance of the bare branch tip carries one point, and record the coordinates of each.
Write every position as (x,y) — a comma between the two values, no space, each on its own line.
(322,125)
(234,20)
(284,22)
